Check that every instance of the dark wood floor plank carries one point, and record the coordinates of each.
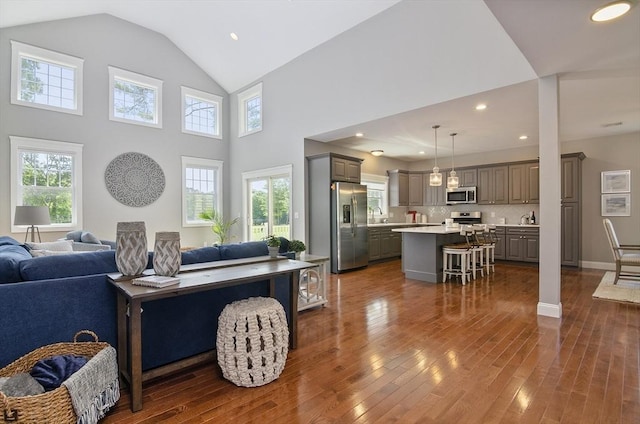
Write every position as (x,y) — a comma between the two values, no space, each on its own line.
(392,350)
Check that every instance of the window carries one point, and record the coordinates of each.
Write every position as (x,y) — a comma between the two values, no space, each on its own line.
(134,98)
(48,173)
(44,79)
(377,189)
(201,113)
(201,189)
(250,110)
(267,202)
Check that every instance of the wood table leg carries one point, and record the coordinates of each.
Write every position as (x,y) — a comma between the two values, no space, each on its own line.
(135,354)
(123,356)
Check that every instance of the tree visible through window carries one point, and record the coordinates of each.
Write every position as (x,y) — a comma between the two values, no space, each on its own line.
(250,110)
(202,187)
(201,113)
(135,98)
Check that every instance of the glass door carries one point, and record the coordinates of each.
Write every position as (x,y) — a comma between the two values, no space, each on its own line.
(268,206)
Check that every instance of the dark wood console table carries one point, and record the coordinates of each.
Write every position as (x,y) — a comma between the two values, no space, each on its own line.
(193,278)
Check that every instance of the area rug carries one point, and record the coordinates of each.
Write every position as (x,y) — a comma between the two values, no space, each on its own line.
(624,291)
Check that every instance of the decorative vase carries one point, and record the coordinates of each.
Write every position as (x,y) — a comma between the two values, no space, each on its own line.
(131,248)
(273,251)
(166,253)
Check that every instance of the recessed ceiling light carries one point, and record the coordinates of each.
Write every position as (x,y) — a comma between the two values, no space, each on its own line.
(481,106)
(377,152)
(524,137)
(234,36)
(359,134)
(421,152)
(611,11)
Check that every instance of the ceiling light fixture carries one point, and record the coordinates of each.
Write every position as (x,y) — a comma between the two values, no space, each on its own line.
(358,134)
(481,106)
(435,178)
(611,11)
(523,137)
(233,36)
(377,152)
(452,180)
(421,152)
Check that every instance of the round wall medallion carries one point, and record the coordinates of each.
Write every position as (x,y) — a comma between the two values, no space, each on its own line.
(134,179)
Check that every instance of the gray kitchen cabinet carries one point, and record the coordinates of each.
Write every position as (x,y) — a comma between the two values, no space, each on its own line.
(398,187)
(493,185)
(396,244)
(467,177)
(571,207)
(385,243)
(522,244)
(524,183)
(434,195)
(374,244)
(500,249)
(345,169)
(416,188)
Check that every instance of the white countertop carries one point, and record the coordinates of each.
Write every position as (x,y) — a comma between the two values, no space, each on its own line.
(440,229)
(403,224)
(518,225)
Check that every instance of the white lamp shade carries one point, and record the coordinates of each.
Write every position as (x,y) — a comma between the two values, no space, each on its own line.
(452,181)
(32,215)
(435,178)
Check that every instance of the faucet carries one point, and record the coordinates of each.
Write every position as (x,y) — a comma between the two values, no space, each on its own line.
(373,210)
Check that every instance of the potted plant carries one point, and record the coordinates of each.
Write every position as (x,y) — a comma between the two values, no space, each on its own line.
(220,226)
(297,247)
(273,244)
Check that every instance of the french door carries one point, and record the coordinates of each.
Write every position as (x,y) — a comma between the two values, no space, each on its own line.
(267,203)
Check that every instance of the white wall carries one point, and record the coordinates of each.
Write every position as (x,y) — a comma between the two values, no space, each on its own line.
(103,40)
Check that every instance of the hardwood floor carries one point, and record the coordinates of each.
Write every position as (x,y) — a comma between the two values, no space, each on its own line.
(390,350)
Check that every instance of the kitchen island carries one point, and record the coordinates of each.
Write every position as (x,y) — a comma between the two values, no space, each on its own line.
(422,250)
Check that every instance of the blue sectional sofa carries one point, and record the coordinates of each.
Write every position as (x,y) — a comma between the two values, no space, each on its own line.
(48,299)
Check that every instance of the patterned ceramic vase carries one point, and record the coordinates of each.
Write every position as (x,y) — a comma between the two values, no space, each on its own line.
(131,248)
(166,253)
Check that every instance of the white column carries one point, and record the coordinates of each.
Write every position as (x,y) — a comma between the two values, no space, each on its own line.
(550,214)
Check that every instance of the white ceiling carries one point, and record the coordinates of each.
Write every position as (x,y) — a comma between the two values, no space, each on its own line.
(598,64)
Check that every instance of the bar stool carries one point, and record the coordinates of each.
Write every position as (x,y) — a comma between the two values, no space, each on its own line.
(462,251)
(490,240)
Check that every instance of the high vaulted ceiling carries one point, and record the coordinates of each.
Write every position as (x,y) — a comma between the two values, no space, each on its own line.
(598,64)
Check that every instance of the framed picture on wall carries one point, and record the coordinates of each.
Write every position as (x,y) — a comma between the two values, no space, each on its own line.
(616,181)
(616,204)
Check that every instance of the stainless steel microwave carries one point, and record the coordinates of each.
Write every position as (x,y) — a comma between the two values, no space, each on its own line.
(460,195)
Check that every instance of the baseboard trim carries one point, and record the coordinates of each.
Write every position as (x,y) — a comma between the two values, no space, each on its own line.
(607,266)
(550,310)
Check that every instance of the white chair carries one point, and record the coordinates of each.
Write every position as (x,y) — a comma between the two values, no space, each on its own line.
(461,253)
(624,254)
(488,239)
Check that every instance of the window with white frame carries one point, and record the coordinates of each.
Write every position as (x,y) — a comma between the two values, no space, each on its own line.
(377,192)
(134,98)
(48,173)
(250,110)
(201,190)
(45,79)
(201,113)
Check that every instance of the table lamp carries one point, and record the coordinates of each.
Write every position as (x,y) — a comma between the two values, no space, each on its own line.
(32,216)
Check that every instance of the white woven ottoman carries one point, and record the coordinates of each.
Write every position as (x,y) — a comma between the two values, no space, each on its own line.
(252,341)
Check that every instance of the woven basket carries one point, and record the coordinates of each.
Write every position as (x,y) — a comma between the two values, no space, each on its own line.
(50,407)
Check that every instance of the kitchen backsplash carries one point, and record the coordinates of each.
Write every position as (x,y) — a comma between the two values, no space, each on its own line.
(491,214)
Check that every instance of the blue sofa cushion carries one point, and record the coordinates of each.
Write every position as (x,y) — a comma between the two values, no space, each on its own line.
(243,250)
(61,266)
(203,254)
(74,235)
(10,257)
(9,241)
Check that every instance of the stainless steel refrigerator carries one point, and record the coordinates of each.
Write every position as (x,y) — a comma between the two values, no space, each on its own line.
(349,234)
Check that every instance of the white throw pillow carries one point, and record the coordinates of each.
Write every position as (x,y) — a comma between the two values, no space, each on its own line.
(58,246)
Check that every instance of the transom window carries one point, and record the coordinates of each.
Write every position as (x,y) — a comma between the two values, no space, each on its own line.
(134,98)
(201,190)
(48,173)
(250,110)
(201,113)
(45,79)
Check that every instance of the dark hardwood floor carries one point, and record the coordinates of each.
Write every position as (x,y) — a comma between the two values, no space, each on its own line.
(391,350)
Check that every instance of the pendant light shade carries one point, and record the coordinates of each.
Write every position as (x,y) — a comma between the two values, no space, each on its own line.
(435,178)
(452,181)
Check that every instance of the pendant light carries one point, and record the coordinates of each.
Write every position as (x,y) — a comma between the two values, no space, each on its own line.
(435,178)
(452,181)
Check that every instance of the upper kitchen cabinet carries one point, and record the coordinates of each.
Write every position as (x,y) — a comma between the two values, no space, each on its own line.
(493,185)
(434,195)
(345,168)
(571,165)
(416,188)
(524,183)
(398,187)
(467,177)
